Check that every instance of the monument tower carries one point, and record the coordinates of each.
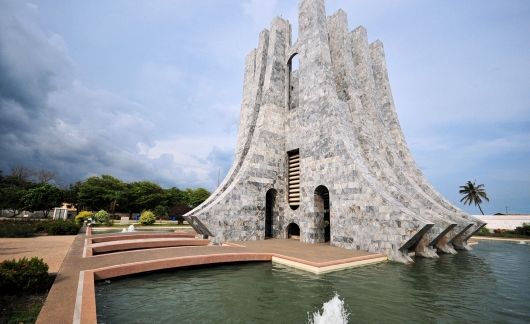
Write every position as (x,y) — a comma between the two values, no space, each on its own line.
(320,153)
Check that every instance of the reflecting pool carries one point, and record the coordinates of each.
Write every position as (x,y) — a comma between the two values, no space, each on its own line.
(489,284)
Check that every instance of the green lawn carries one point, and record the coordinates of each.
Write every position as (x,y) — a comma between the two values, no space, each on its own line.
(23,308)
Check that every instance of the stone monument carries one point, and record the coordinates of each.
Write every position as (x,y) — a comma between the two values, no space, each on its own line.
(320,154)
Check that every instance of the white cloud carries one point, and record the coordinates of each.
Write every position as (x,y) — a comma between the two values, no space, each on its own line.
(190,154)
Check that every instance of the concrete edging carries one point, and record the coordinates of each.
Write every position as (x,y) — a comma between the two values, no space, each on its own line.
(85,306)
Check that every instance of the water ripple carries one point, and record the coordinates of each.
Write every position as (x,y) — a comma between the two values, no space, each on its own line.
(488,284)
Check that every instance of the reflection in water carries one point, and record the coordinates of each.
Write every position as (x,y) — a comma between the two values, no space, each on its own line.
(489,284)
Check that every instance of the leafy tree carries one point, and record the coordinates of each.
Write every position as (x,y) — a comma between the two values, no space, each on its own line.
(145,195)
(12,188)
(71,194)
(196,196)
(42,197)
(161,211)
(104,192)
(473,194)
(175,196)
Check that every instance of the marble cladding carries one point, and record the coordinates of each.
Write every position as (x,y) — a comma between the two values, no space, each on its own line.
(337,110)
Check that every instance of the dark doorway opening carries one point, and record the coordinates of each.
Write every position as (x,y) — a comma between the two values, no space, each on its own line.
(293,231)
(293,88)
(270,201)
(322,210)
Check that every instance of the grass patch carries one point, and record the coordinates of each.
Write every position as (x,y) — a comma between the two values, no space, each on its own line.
(21,309)
(24,306)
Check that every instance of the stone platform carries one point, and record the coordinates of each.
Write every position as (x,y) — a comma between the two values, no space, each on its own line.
(72,297)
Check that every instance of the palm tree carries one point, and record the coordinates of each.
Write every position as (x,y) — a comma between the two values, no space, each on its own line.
(473,194)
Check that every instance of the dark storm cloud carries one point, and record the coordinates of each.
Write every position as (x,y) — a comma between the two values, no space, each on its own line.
(30,67)
(49,120)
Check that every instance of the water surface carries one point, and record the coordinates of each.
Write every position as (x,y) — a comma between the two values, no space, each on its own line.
(489,284)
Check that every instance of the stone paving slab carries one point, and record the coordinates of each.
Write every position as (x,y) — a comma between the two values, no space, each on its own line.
(145,243)
(52,249)
(320,252)
(136,235)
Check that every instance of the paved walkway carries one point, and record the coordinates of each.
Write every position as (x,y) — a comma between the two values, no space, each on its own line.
(60,304)
(317,253)
(52,249)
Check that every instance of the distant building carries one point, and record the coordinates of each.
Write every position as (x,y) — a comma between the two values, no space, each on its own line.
(66,211)
(504,221)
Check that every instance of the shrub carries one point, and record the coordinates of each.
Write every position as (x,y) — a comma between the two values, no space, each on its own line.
(61,227)
(23,276)
(484,231)
(23,228)
(523,230)
(500,231)
(147,218)
(83,216)
(102,217)
(17,228)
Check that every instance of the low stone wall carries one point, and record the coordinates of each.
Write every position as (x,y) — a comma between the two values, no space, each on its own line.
(508,222)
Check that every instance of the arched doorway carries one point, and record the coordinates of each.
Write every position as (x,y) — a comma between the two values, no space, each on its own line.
(270,201)
(293,80)
(293,231)
(322,210)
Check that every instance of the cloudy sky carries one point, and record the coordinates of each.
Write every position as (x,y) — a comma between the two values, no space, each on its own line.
(152,89)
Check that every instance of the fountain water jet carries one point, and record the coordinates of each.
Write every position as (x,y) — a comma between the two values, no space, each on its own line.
(129,229)
(333,312)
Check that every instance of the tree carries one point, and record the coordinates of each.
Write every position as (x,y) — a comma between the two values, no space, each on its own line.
(197,196)
(473,194)
(44,176)
(71,194)
(21,172)
(145,195)
(104,192)
(12,188)
(161,211)
(175,196)
(42,197)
